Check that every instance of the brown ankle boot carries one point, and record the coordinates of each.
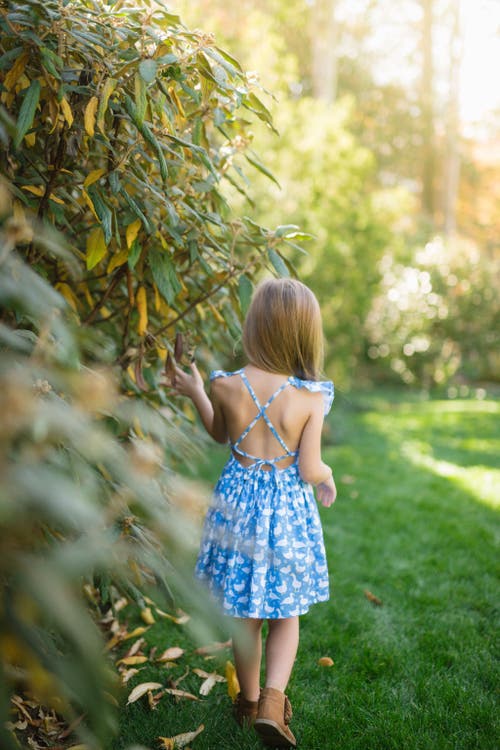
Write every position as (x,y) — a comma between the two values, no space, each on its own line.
(272,720)
(245,712)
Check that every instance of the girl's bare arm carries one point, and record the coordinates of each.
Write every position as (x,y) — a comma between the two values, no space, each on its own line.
(312,469)
(192,386)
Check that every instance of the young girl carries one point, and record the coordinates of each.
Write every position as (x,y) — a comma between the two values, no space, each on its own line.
(262,553)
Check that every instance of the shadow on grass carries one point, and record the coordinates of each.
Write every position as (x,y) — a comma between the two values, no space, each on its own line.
(417,672)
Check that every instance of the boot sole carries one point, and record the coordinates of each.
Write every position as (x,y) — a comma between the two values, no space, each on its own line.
(272,735)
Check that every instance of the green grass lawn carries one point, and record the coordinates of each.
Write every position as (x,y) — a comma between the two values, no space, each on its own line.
(415,524)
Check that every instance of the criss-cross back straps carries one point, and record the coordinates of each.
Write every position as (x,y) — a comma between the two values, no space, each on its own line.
(262,414)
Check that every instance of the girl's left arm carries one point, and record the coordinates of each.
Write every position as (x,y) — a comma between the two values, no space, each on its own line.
(211,414)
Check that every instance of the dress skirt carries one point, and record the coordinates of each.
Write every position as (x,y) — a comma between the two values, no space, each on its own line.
(262,553)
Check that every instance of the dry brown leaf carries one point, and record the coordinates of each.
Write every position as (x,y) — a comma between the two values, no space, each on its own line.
(16,725)
(325,661)
(372,598)
(129,660)
(141,690)
(217,646)
(180,740)
(125,676)
(233,686)
(177,682)
(174,652)
(120,604)
(181,694)
(135,647)
(204,675)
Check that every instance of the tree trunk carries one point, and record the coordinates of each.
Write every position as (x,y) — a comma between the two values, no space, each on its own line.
(324,37)
(452,167)
(427,106)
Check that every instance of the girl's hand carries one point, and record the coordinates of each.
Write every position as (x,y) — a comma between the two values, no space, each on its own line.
(326,492)
(186,384)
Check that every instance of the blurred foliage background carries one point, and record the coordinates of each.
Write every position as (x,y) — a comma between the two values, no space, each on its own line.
(389,155)
(149,180)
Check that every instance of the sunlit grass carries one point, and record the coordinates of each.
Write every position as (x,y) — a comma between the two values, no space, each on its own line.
(418,672)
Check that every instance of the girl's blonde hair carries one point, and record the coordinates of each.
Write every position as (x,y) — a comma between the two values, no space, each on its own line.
(283,331)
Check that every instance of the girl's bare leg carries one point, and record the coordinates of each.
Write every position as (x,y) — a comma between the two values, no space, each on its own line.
(281,650)
(247,649)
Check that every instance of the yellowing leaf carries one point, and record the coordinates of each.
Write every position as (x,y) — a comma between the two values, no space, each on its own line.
(89,116)
(141,690)
(16,71)
(66,109)
(131,660)
(137,631)
(180,740)
(181,619)
(146,613)
(118,259)
(38,190)
(96,247)
(89,203)
(93,177)
(108,89)
(142,306)
(325,661)
(132,231)
(174,652)
(233,686)
(30,139)
(68,294)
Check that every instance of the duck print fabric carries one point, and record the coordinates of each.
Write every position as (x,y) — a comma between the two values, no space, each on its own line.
(262,553)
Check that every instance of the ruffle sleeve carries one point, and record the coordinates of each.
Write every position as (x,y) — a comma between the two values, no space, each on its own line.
(325,387)
(221,374)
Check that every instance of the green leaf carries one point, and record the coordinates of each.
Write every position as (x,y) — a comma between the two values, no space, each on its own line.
(258,165)
(284,230)
(147,70)
(27,112)
(245,289)
(278,262)
(135,251)
(103,211)
(164,275)
(141,101)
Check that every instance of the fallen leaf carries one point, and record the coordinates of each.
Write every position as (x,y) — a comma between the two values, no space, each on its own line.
(181,694)
(325,661)
(174,652)
(347,479)
(180,740)
(208,684)
(233,686)
(213,647)
(137,631)
(177,682)
(147,616)
(120,604)
(141,690)
(210,679)
(129,660)
(181,619)
(153,700)
(372,598)
(125,676)
(135,647)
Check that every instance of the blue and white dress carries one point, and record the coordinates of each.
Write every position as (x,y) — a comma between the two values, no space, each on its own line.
(262,553)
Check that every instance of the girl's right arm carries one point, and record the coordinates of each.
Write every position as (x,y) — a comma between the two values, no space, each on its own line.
(192,386)
(312,469)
